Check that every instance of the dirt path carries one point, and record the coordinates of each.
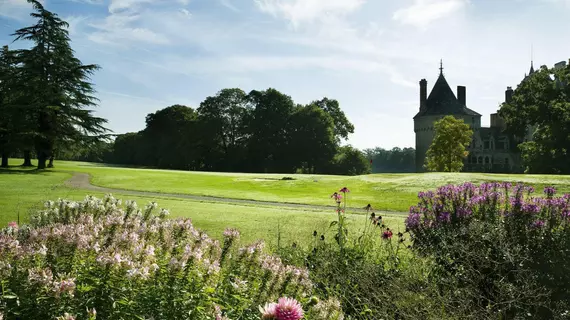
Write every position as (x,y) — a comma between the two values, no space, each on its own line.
(81,181)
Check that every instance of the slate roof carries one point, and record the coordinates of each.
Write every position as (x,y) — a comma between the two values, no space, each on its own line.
(442,101)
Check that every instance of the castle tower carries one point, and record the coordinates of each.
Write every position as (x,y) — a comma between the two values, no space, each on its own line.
(440,102)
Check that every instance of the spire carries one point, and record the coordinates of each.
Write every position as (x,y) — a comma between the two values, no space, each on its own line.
(441,67)
(531,60)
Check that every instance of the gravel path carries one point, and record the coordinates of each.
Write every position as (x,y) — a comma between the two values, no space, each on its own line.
(81,181)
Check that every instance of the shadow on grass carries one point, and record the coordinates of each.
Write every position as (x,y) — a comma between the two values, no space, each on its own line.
(21,170)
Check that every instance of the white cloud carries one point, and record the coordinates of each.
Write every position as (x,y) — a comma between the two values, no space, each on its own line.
(118,5)
(298,11)
(423,12)
(119,28)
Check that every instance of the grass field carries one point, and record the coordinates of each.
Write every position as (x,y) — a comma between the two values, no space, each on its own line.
(387,192)
(23,191)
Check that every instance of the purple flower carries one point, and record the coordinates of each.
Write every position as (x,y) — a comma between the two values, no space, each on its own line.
(549,191)
(538,224)
(530,208)
(344,190)
(413,221)
(444,217)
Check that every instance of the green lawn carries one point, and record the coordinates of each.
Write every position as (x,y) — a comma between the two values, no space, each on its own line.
(23,191)
(26,190)
(386,192)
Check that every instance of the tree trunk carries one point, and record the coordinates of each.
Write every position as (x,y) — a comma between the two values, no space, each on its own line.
(4,160)
(42,160)
(27,158)
(50,163)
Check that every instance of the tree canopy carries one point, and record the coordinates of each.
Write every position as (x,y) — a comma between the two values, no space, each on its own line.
(49,89)
(261,131)
(540,108)
(449,146)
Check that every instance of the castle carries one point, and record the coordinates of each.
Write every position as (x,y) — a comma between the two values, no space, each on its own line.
(491,150)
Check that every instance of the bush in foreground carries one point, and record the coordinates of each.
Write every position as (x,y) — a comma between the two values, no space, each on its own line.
(373,273)
(504,251)
(95,259)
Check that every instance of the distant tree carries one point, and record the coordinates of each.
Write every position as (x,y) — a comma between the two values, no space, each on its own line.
(269,129)
(342,126)
(350,161)
(167,136)
(56,85)
(312,138)
(396,160)
(541,103)
(223,131)
(449,146)
(127,149)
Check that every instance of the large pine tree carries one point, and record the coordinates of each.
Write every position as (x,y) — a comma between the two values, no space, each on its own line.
(57,83)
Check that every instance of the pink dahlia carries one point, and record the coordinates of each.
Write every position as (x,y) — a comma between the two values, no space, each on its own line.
(288,309)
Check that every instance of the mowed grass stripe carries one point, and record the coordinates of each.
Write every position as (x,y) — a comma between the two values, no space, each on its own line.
(385,192)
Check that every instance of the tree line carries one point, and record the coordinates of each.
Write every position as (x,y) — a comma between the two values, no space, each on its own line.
(395,160)
(259,131)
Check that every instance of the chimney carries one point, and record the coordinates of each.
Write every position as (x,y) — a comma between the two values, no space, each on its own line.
(423,94)
(509,95)
(461,95)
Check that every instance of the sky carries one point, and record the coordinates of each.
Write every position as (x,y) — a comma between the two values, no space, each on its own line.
(368,54)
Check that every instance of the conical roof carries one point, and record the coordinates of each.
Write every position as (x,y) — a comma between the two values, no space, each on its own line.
(442,101)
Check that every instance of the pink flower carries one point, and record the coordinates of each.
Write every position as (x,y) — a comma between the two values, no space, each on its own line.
(337,197)
(344,190)
(13,225)
(268,312)
(288,309)
(387,234)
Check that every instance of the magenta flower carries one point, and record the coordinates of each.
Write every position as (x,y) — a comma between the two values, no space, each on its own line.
(387,234)
(344,190)
(337,197)
(288,309)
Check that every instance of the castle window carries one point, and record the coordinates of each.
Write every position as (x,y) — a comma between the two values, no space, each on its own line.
(480,160)
(473,160)
(486,160)
(506,161)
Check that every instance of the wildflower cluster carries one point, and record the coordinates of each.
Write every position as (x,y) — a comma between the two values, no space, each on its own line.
(95,258)
(492,202)
(498,241)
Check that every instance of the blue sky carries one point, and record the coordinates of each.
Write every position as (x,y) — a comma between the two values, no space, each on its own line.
(368,54)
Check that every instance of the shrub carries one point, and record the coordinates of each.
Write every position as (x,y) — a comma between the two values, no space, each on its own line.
(81,260)
(372,273)
(505,250)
